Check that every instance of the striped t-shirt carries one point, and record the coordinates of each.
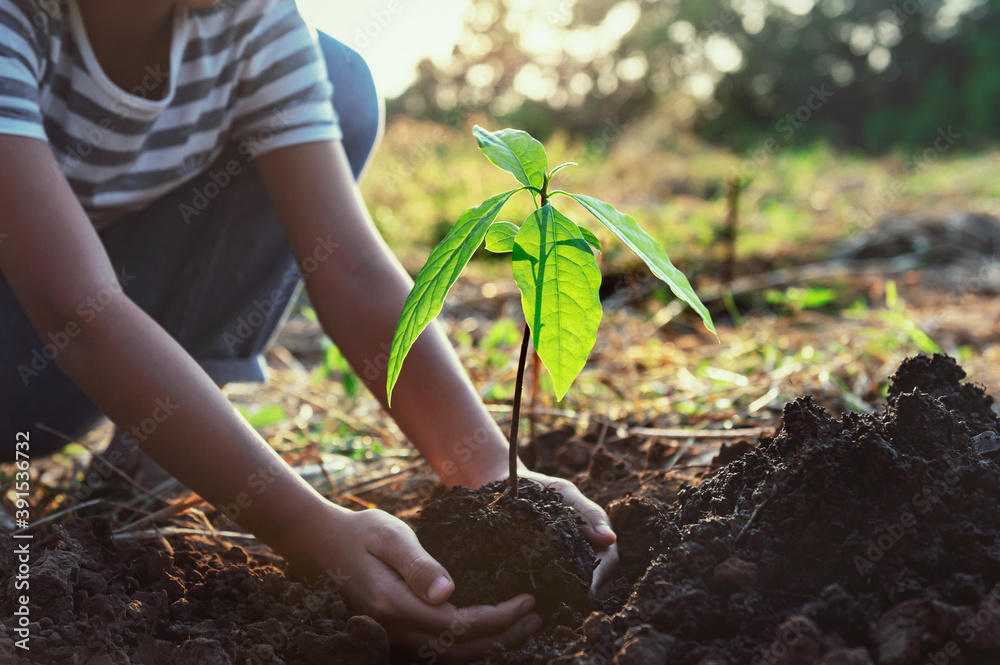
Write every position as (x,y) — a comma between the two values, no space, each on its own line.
(243,70)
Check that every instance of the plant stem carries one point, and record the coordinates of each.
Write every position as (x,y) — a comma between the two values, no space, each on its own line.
(516,415)
(536,367)
(733,189)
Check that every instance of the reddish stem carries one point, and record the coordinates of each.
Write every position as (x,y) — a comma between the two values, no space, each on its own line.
(516,415)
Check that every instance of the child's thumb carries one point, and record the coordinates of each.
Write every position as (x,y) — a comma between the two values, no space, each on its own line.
(428,579)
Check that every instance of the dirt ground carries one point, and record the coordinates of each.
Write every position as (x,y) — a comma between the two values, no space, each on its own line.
(755,526)
(871,538)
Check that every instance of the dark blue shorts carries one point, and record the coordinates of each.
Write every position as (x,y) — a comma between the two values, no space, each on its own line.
(208,261)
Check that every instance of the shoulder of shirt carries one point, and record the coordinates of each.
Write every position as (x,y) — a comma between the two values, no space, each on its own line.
(232,11)
(38,18)
(42,24)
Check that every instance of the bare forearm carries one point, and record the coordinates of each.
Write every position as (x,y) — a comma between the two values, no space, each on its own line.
(151,388)
(359,293)
(434,403)
(124,361)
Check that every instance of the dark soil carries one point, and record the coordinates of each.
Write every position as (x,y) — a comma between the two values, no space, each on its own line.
(96,601)
(865,539)
(838,541)
(496,546)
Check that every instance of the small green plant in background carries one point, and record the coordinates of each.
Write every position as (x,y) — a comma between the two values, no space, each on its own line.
(554,265)
(896,314)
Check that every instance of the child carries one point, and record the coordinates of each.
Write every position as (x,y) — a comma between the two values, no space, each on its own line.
(168,170)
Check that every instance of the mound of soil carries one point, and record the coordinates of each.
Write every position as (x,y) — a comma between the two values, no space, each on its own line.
(865,539)
(838,541)
(94,600)
(496,546)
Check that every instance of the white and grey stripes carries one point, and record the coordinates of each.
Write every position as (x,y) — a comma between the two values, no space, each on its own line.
(238,69)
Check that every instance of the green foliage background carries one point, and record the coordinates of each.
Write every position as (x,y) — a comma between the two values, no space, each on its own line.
(899,69)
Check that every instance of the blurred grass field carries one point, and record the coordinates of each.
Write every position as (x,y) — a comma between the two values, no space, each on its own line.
(838,339)
(654,365)
(798,204)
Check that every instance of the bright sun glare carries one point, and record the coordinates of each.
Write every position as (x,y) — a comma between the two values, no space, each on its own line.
(393,36)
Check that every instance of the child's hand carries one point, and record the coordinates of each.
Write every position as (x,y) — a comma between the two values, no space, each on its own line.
(596,525)
(596,529)
(383,571)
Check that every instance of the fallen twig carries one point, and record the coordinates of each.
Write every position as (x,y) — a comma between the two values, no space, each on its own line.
(375,483)
(60,513)
(165,513)
(753,515)
(681,433)
(158,533)
(783,277)
(100,458)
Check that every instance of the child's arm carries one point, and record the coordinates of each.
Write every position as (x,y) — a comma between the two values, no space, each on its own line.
(358,291)
(132,369)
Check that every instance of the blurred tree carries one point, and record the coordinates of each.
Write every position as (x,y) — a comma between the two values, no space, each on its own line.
(866,73)
(887,73)
(578,65)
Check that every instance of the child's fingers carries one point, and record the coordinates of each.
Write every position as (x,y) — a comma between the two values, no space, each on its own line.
(455,646)
(413,622)
(492,620)
(609,562)
(397,546)
(596,525)
(509,639)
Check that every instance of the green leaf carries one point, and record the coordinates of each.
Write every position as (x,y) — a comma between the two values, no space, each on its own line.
(592,239)
(436,278)
(516,152)
(647,249)
(560,168)
(500,237)
(265,416)
(559,280)
(334,361)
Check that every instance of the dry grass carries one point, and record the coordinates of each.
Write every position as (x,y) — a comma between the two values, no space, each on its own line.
(651,367)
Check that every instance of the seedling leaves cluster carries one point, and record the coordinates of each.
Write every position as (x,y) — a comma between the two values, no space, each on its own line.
(553,261)
(555,269)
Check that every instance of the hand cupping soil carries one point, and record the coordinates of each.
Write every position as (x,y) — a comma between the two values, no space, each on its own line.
(97,601)
(496,546)
(867,539)
(871,538)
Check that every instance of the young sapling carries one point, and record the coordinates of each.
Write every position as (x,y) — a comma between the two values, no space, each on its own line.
(553,262)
